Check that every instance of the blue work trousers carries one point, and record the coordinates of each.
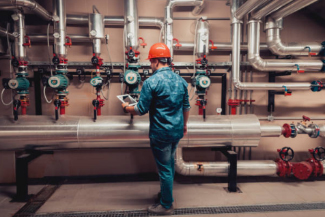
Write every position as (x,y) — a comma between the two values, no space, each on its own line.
(164,153)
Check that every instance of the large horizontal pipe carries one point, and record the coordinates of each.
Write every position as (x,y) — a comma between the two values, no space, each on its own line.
(30,4)
(82,20)
(189,46)
(244,168)
(71,132)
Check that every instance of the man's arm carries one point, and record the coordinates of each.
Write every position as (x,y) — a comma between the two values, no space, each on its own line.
(144,102)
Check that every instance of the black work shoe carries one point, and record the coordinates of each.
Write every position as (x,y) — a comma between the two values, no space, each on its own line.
(160,210)
(157,200)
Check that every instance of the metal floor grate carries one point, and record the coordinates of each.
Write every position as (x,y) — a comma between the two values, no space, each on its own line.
(31,207)
(196,211)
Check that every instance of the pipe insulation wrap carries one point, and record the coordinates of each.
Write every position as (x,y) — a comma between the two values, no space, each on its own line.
(71,132)
(30,4)
(244,168)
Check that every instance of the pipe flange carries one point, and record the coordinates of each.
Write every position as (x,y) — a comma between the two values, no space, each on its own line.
(272,24)
(293,131)
(315,132)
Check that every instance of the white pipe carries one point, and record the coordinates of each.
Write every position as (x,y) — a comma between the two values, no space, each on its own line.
(273,64)
(189,46)
(168,38)
(278,48)
(30,4)
(244,168)
(291,8)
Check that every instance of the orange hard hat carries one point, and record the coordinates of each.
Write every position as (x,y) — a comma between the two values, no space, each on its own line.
(159,50)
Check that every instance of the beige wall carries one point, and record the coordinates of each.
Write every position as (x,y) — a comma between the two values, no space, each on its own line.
(297,28)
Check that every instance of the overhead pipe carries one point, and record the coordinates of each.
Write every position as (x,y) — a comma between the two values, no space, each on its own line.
(276,46)
(274,64)
(248,7)
(171,4)
(83,20)
(253,56)
(291,8)
(32,5)
(271,7)
(189,46)
(69,132)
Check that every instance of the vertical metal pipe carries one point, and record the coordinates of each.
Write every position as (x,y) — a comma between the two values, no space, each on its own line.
(19,33)
(202,38)
(131,24)
(60,28)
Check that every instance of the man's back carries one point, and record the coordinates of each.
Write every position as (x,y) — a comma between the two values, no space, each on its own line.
(165,95)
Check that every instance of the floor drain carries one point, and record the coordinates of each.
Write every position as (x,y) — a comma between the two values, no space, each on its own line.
(195,211)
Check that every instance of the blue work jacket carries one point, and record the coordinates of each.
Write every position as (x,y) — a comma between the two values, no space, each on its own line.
(164,95)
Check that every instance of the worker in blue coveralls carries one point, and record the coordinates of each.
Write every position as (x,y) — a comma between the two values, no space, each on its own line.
(165,96)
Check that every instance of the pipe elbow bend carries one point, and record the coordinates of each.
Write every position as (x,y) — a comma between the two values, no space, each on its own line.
(26,3)
(180,168)
(257,63)
(238,85)
(277,48)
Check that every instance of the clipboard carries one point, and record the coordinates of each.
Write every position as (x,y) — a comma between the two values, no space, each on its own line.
(127,98)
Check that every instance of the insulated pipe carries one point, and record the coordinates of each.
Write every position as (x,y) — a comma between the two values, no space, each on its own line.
(202,38)
(168,38)
(273,64)
(72,132)
(19,33)
(96,31)
(60,28)
(236,34)
(4,33)
(244,168)
(82,20)
(248,7)
(131,24)
(269,8)
(74,38)
(189,46)
(30,4)
(271,130)
(291,8)
(276,46)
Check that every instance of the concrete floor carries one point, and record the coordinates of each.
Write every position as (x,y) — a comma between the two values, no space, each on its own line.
(139,195)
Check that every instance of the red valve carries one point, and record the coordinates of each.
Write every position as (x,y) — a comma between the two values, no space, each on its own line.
(143,44)
(69,42)
(286,131)
(312,54)
(101,104)
(23,63)
(233,103)
(24,104)
(28,41)
(305,118)
(300,71)
(202,106)
(178,45)
(212,45)
(64,103)
(287,94)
